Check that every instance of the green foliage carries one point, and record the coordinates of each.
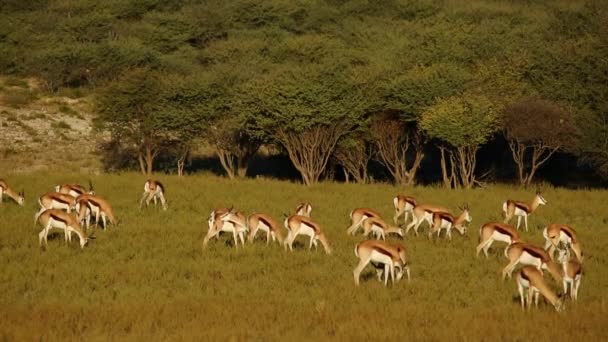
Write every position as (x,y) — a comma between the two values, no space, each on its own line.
(461,120)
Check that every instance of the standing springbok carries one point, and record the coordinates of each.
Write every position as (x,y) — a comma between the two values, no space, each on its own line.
(522,209)
(153,190)
(572,271)
(357,216)
(6,189)
(226,220)
(404,205)
(379,228)
(557,233)
(527,254)
(74,189)
(423,213)
(496,231)
(530,282)
(447,221)
(267,224)
(56,218)
(381,253)
(298,224)
(88,205)
(303,209)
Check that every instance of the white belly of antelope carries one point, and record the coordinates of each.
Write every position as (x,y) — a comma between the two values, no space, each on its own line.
(528,259)
(497,236)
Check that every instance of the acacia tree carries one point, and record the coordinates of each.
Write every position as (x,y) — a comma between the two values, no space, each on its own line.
(393,139)
(307,109)
(130,108)
(461,124)
(536,129)
(234,145)
(353,153)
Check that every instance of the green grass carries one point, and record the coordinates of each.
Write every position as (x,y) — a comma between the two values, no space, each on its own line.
(60,125)
(149,279)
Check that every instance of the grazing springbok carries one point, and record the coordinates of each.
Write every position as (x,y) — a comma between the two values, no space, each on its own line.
(496,231)
(56,200)
(5,189)
(226,220)
(153,191)
(557,233)
(404,205)
(357,216)
(382,255)
(527,254)
(266,224)
(74,189)
(530,283)
(423,213)
(520,209)
(572,271)
(56,218)
(298,224)
(379,228)
(88,205)
(447,221)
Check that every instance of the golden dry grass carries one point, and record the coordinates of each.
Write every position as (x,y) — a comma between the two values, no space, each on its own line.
(149,279)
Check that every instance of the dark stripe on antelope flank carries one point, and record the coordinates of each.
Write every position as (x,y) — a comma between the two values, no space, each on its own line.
(161,186)
(60,219)
(537,253)
(266,222)
(59,199)
(77,189)
(568,232)
(411,201)
(383,251)
(444,216)
(370,213)
(523,206)
(310,224)
(524,275)
(504,230)
(94,202)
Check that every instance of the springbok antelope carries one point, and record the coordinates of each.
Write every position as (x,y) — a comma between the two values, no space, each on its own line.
(267,224)
(380,228)
(153,190)
(496,231)
(357,216)
(572,271)
(422,213)
(404,205)
(530,283)
(303,209)
(56,200)
(381,253)
(226,220)
(527,254)
(298,224)
(5,189)
(557,233)
(88,205)
(56,218)
(74,189)
(521,209)
(447,221)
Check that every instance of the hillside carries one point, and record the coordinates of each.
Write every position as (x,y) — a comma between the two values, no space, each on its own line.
(41,132)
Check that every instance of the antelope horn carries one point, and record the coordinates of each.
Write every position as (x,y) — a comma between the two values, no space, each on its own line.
(90,185)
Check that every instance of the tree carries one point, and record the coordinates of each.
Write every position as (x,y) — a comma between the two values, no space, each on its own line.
(393,139)
(536,129)
(307,109)
(463,123)
(234,145)
(353,153)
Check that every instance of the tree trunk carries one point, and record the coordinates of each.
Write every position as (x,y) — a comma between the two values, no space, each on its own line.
(540,154)
(227,161)
(447,182)
(149,159)
(243,165)
(142,164)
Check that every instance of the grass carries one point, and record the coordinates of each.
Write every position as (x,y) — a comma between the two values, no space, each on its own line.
(19,98)
(149,279)
(60,125)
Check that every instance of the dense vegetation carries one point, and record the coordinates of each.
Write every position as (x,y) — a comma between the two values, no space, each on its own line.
(310,77)
(148,278)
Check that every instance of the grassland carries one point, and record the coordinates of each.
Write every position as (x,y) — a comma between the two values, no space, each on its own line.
(148,278)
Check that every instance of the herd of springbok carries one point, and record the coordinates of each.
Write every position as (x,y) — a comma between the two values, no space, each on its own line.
(389,259)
